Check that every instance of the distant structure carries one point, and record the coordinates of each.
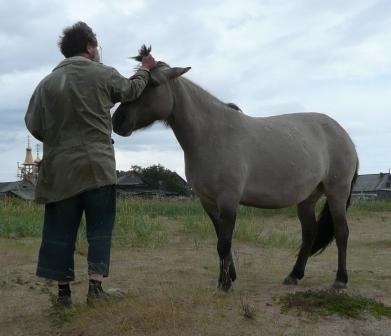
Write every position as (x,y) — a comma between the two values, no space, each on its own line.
(130,183)
(27,177)
(28,170)
(373,186)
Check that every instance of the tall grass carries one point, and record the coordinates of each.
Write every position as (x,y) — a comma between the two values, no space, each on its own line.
(361,206)
(139,231)
(20,218)
(151,222)
(266,234)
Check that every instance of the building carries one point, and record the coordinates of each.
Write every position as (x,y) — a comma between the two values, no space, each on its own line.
(371,186)
(130,183)
(27,177)
(28,170)
(21,189)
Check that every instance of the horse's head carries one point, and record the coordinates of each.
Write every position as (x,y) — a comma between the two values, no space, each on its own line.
(155,103)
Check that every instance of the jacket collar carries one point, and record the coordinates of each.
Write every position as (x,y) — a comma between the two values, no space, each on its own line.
(74,59)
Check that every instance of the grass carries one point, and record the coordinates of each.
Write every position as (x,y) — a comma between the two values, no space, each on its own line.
(329,302)
(142,223)
(382,243)
(365,206)
(255,230)
(20,218)
(165,259)
(144,313)
(247,310)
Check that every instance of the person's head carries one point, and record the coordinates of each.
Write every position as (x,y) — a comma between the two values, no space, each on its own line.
(79,39)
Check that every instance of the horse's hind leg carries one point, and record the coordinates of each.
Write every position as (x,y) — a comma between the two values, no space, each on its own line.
(219,226)
(337,204)
(307,217)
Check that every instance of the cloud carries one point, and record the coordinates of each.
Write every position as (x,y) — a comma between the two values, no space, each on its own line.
(171,159)
(269,57)
(155,138)
(17,86)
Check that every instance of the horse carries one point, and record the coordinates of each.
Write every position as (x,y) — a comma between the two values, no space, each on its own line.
(267,162)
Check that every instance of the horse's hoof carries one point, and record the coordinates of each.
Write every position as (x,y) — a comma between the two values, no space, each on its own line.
(232,274)
(339,285)
(225,286)
(289,280)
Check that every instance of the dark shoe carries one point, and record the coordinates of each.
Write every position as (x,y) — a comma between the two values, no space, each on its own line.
(97,295)
(101,296)
(64,302)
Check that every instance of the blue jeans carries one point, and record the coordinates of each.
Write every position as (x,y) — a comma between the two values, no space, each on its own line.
(61,224)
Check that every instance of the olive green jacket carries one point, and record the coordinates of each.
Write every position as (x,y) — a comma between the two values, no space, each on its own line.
(69,112)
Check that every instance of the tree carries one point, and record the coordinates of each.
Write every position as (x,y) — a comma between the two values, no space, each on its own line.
(162,178)
(136,169)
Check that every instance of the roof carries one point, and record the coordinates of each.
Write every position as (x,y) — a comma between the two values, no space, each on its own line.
(179,178)
(15,185)
(373,182)
(6,186)
(23,189)
(130,179)
(24,194)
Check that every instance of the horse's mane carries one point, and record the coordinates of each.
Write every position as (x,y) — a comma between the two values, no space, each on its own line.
(195,90)
(143,51)
(205,96)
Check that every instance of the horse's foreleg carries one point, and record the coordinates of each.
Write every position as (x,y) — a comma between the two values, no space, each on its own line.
(226,224)
(213,214)
(224,243)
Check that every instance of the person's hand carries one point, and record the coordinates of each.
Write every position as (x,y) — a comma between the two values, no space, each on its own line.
(148,62)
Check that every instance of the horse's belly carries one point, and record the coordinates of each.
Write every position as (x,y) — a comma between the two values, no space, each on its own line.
(278,194)
(268,201)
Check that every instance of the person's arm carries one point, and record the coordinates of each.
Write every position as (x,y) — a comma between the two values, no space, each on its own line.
(33,117)
(129,89)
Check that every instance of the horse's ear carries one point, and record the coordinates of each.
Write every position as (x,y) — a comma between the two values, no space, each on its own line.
(176,72)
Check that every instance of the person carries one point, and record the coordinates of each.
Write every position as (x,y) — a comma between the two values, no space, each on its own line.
(69,112)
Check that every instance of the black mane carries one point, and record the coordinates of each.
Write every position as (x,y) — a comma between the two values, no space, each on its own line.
(143,51)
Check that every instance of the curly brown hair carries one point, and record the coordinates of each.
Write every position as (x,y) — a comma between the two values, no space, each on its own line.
(74,39)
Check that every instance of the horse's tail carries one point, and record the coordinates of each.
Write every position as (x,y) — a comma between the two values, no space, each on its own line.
(325,233)
(352,185)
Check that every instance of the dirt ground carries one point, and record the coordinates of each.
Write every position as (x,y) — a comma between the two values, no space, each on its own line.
(171,290)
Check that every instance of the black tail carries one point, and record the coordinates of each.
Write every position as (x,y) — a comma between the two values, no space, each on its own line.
(325,234)
(351,188)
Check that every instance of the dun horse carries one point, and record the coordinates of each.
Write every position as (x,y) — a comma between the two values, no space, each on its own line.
(271,162)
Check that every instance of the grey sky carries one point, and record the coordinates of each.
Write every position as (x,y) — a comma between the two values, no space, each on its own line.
(269,57)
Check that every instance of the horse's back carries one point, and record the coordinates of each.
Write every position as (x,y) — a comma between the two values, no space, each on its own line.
(272,161)
(310,131)
(292,155)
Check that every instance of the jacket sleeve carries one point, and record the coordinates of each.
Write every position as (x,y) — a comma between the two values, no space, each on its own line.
(128,89)
(34,116)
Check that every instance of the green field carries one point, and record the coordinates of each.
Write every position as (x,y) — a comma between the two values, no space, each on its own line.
(164,257)
(141,222)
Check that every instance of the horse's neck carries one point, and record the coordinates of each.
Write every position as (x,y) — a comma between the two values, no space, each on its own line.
(195,115)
